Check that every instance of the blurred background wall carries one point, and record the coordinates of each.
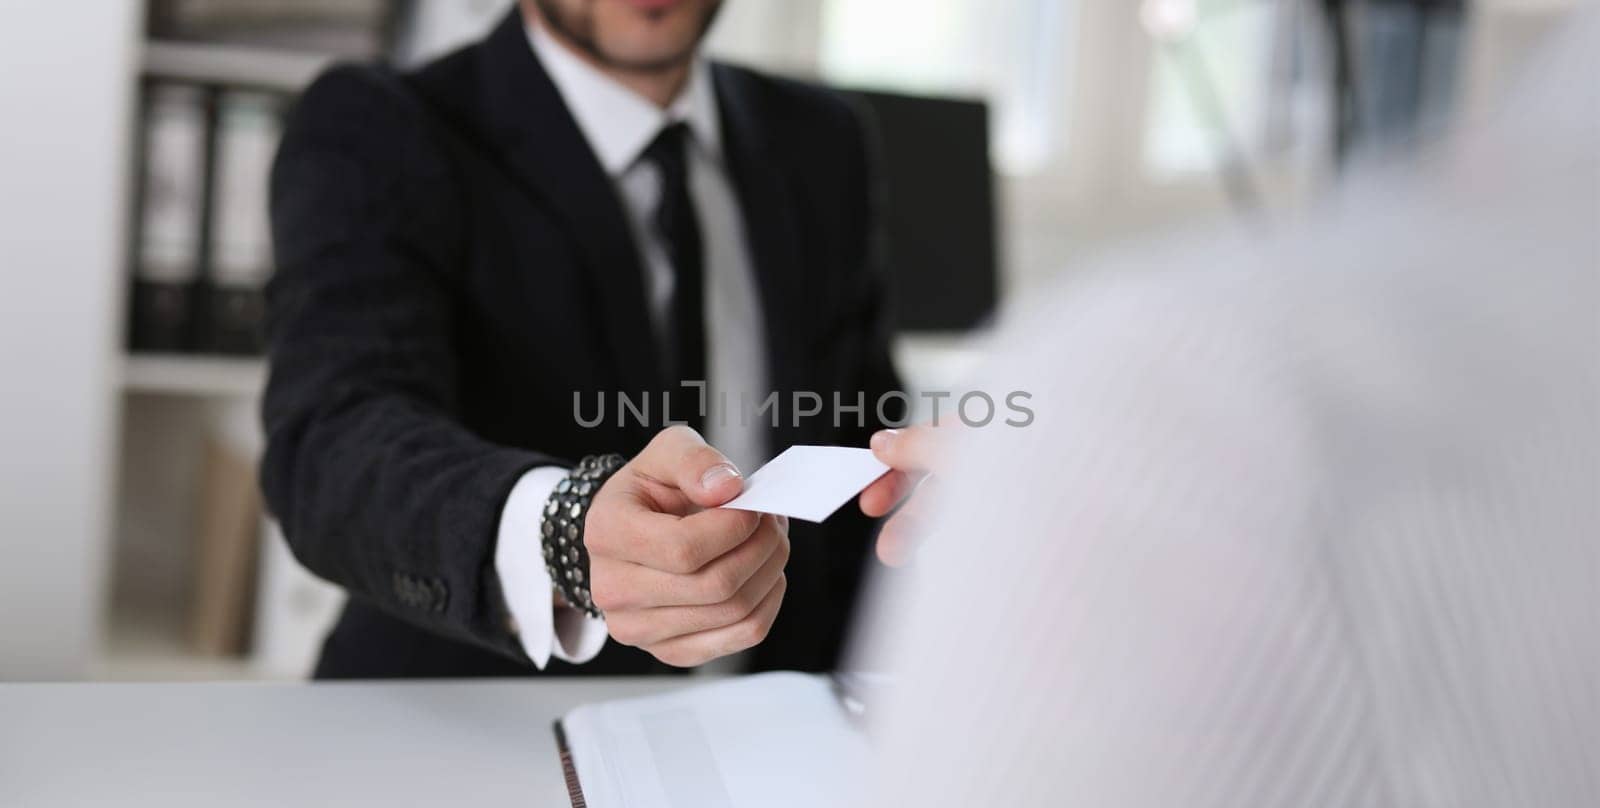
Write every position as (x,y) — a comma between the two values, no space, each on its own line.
(132,216)
(63,171)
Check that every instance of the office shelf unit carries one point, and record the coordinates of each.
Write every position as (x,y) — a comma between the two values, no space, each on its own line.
(173,411)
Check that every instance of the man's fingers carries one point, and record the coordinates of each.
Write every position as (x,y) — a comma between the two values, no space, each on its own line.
(646,627)
(621,585)
(679,458)
(723,577)
(628,530)
(695,649)
(907,449)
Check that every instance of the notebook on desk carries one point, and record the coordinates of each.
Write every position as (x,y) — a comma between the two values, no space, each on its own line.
(770,739)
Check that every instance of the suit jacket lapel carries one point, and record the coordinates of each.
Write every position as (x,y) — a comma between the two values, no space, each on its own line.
(544,148)
(767,205)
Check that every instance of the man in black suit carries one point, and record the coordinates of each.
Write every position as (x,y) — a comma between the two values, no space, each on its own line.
(478,257)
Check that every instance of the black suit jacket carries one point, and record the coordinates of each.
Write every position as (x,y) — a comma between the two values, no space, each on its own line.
(454,265)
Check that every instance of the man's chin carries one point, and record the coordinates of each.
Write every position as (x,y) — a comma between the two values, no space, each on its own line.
(634,62)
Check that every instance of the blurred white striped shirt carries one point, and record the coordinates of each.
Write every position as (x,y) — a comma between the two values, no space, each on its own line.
(1303,520)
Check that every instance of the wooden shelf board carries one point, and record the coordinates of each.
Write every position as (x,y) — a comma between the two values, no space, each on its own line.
(233,64)
(177,374)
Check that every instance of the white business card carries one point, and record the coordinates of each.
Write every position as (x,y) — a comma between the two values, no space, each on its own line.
(808,482)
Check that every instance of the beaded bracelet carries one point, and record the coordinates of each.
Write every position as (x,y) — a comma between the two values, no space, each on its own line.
(565,557)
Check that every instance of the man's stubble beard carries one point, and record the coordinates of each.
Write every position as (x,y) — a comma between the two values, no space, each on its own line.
(578,29)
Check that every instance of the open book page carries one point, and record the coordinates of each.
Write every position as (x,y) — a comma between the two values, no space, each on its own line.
(771,739)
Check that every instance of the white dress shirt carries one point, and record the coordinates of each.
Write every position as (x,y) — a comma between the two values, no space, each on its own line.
(619,125)
(1303,520)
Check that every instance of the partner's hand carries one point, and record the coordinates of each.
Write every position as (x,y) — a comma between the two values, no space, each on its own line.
(686,584)
(909,453)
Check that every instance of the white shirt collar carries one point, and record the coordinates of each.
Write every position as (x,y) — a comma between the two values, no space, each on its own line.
(617,122)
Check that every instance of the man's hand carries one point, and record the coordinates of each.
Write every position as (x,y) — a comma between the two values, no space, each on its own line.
(909,453)
(684,583)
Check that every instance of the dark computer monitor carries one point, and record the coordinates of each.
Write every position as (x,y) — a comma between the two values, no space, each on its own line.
(939,208)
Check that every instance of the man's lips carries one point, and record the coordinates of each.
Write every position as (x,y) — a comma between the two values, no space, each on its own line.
(652,5)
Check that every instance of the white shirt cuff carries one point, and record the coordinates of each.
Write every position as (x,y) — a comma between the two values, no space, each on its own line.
(565,633)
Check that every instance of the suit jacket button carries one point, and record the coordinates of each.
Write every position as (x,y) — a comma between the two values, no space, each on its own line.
(405,588)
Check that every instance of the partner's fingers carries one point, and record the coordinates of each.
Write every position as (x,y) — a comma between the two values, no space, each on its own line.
(886,492)
(897,539)
(908,449)
(900,534)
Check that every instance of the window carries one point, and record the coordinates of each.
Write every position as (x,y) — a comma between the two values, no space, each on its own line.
(1209,83)
(1010,52)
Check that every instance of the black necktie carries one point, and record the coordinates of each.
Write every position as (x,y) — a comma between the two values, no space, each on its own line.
(679,229)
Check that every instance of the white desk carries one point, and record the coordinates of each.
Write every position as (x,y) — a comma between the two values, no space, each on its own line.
(348,744)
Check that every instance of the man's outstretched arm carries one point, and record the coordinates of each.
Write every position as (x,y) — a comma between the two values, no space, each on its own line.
(377,484)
